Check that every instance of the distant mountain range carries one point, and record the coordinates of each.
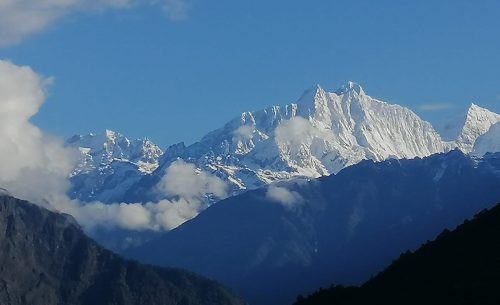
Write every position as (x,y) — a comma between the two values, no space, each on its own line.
(293,237)
(110,164)
(46,259)
(459,267)
(329,189)
(318,135)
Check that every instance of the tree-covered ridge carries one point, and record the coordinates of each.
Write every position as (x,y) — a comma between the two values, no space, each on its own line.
(459,267)
(46,259)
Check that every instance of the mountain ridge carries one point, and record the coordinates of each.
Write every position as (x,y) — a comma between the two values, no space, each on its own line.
(45,258)
(318,135)
(458,267)
(318,231)
(109,161)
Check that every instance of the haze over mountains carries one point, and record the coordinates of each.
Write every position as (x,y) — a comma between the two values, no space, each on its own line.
(318,135)
(275,195)
(328,189)
(273,243)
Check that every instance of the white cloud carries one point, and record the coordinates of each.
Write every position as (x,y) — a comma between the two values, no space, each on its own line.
(244,131)
(295,130)
(283,196)
(435,107)
(184,180)
(33,165)
(20,19)
(36,167)
(354,220)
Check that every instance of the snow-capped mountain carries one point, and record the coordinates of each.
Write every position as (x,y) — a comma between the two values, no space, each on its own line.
(318,135)
(488,142)
(110,163)
(464,131)
(339,229)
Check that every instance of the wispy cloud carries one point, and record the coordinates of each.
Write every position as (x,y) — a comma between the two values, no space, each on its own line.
(176,10)
(22,19)
(289,199)
(435,107)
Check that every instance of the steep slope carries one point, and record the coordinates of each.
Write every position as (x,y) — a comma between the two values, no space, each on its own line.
(464,131)
(46,259)
(318,135)
(274,243)
(110,163)
(488,142)
(459,267)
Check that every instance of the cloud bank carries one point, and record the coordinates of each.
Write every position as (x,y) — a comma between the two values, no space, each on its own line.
(186,181)
(32,164)
(36,167)
(20,19)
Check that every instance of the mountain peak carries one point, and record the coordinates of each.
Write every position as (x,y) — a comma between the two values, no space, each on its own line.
(312,93)
(309,94)
(109,132)
(350,87)
(111,135)
(478,121)
(474,108)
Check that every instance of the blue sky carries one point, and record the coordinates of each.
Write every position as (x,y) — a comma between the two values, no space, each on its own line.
(143,72)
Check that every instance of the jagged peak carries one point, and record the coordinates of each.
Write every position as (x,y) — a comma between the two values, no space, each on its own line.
(110,138)
(474,108)
(350,87)
(310,93)
(475,113)
(110,133)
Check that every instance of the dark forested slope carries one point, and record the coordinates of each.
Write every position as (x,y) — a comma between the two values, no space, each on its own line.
(342,229)
(46,259)
(459,267)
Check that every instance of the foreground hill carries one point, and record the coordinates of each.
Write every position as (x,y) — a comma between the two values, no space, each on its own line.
(459,267)
(46,259)
(277,242)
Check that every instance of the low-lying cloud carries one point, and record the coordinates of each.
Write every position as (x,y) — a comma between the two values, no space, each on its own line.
(20,19)
(282,195)
(295,130)
(186,181)
(36,167)
(244,132)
